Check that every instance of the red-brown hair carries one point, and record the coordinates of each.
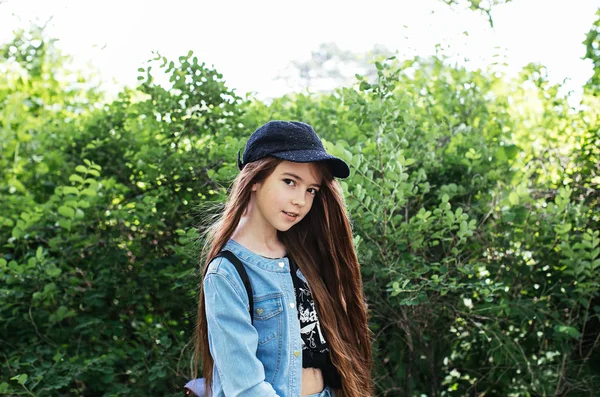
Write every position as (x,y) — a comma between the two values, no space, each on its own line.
(321,245)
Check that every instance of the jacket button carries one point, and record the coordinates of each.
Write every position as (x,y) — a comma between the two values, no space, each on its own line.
(296,353)
(259,311)
(281,264)
(292,305)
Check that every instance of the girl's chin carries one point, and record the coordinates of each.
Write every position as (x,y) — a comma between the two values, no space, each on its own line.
(283,227)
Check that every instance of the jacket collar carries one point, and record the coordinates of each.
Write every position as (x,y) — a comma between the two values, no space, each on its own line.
(278,265)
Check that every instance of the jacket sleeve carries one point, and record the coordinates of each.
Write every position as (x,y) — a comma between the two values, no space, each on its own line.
(233,339)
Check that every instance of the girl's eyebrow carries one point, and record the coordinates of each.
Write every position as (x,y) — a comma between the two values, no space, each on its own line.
(298,178)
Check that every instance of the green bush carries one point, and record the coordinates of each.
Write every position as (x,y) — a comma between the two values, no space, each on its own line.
(473,200)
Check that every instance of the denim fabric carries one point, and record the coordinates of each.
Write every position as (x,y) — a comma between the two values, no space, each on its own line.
(264,359)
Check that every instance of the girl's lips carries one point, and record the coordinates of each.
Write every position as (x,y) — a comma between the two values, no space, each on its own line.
(290,215)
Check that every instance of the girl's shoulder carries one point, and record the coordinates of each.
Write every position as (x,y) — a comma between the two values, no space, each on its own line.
(222,266)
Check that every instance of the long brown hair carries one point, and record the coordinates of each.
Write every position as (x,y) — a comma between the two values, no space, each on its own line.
(321,245)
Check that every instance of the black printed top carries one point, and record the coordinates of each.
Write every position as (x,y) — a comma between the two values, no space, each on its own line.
(315,350)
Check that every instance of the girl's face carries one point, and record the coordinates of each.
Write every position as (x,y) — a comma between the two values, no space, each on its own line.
(286,196)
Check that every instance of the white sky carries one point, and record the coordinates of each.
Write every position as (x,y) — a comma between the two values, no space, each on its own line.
(251,42)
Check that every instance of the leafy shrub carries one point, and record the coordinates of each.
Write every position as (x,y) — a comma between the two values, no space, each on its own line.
(474,208)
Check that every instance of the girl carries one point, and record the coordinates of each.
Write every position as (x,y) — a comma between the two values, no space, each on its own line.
(286,221)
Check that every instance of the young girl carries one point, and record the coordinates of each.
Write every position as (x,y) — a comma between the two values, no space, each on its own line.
(286,221)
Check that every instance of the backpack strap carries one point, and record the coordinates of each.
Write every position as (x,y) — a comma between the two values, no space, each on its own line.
(239,266)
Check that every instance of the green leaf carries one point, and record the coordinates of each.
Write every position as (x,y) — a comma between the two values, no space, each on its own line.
(70,190)
(82,169)
(64,223)
(508,152)
(71,203)
(89,192)
(62,313)
(511,151)
(21,378)
(17,232)
(568,330)
(66,211)
(39,253)
(53,271)
(76,178)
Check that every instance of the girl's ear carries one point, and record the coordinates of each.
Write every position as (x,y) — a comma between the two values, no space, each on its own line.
(254,187)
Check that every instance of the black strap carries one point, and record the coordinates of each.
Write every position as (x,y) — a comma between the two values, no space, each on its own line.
(239,266)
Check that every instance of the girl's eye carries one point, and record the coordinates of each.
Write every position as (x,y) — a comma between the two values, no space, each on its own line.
(289,182)
(313,191)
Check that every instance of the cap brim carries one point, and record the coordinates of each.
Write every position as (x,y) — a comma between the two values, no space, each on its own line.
(338,167)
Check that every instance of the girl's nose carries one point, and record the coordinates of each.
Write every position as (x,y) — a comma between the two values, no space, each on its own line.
(299,200)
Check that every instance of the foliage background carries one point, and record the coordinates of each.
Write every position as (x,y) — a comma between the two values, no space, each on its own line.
(474,201)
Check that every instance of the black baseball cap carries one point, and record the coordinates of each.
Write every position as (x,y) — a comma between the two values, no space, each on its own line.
(292,141)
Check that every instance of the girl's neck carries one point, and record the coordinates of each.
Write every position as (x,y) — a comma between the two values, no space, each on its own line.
(254,234)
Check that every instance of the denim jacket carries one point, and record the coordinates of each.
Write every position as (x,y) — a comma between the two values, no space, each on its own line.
(263,359)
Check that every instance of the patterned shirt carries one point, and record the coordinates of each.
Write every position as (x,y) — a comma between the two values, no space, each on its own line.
(315,349)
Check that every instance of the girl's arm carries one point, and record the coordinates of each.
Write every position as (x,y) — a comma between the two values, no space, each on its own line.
(233,339)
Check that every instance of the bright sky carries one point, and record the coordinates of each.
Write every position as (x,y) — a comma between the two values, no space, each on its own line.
(251,42)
